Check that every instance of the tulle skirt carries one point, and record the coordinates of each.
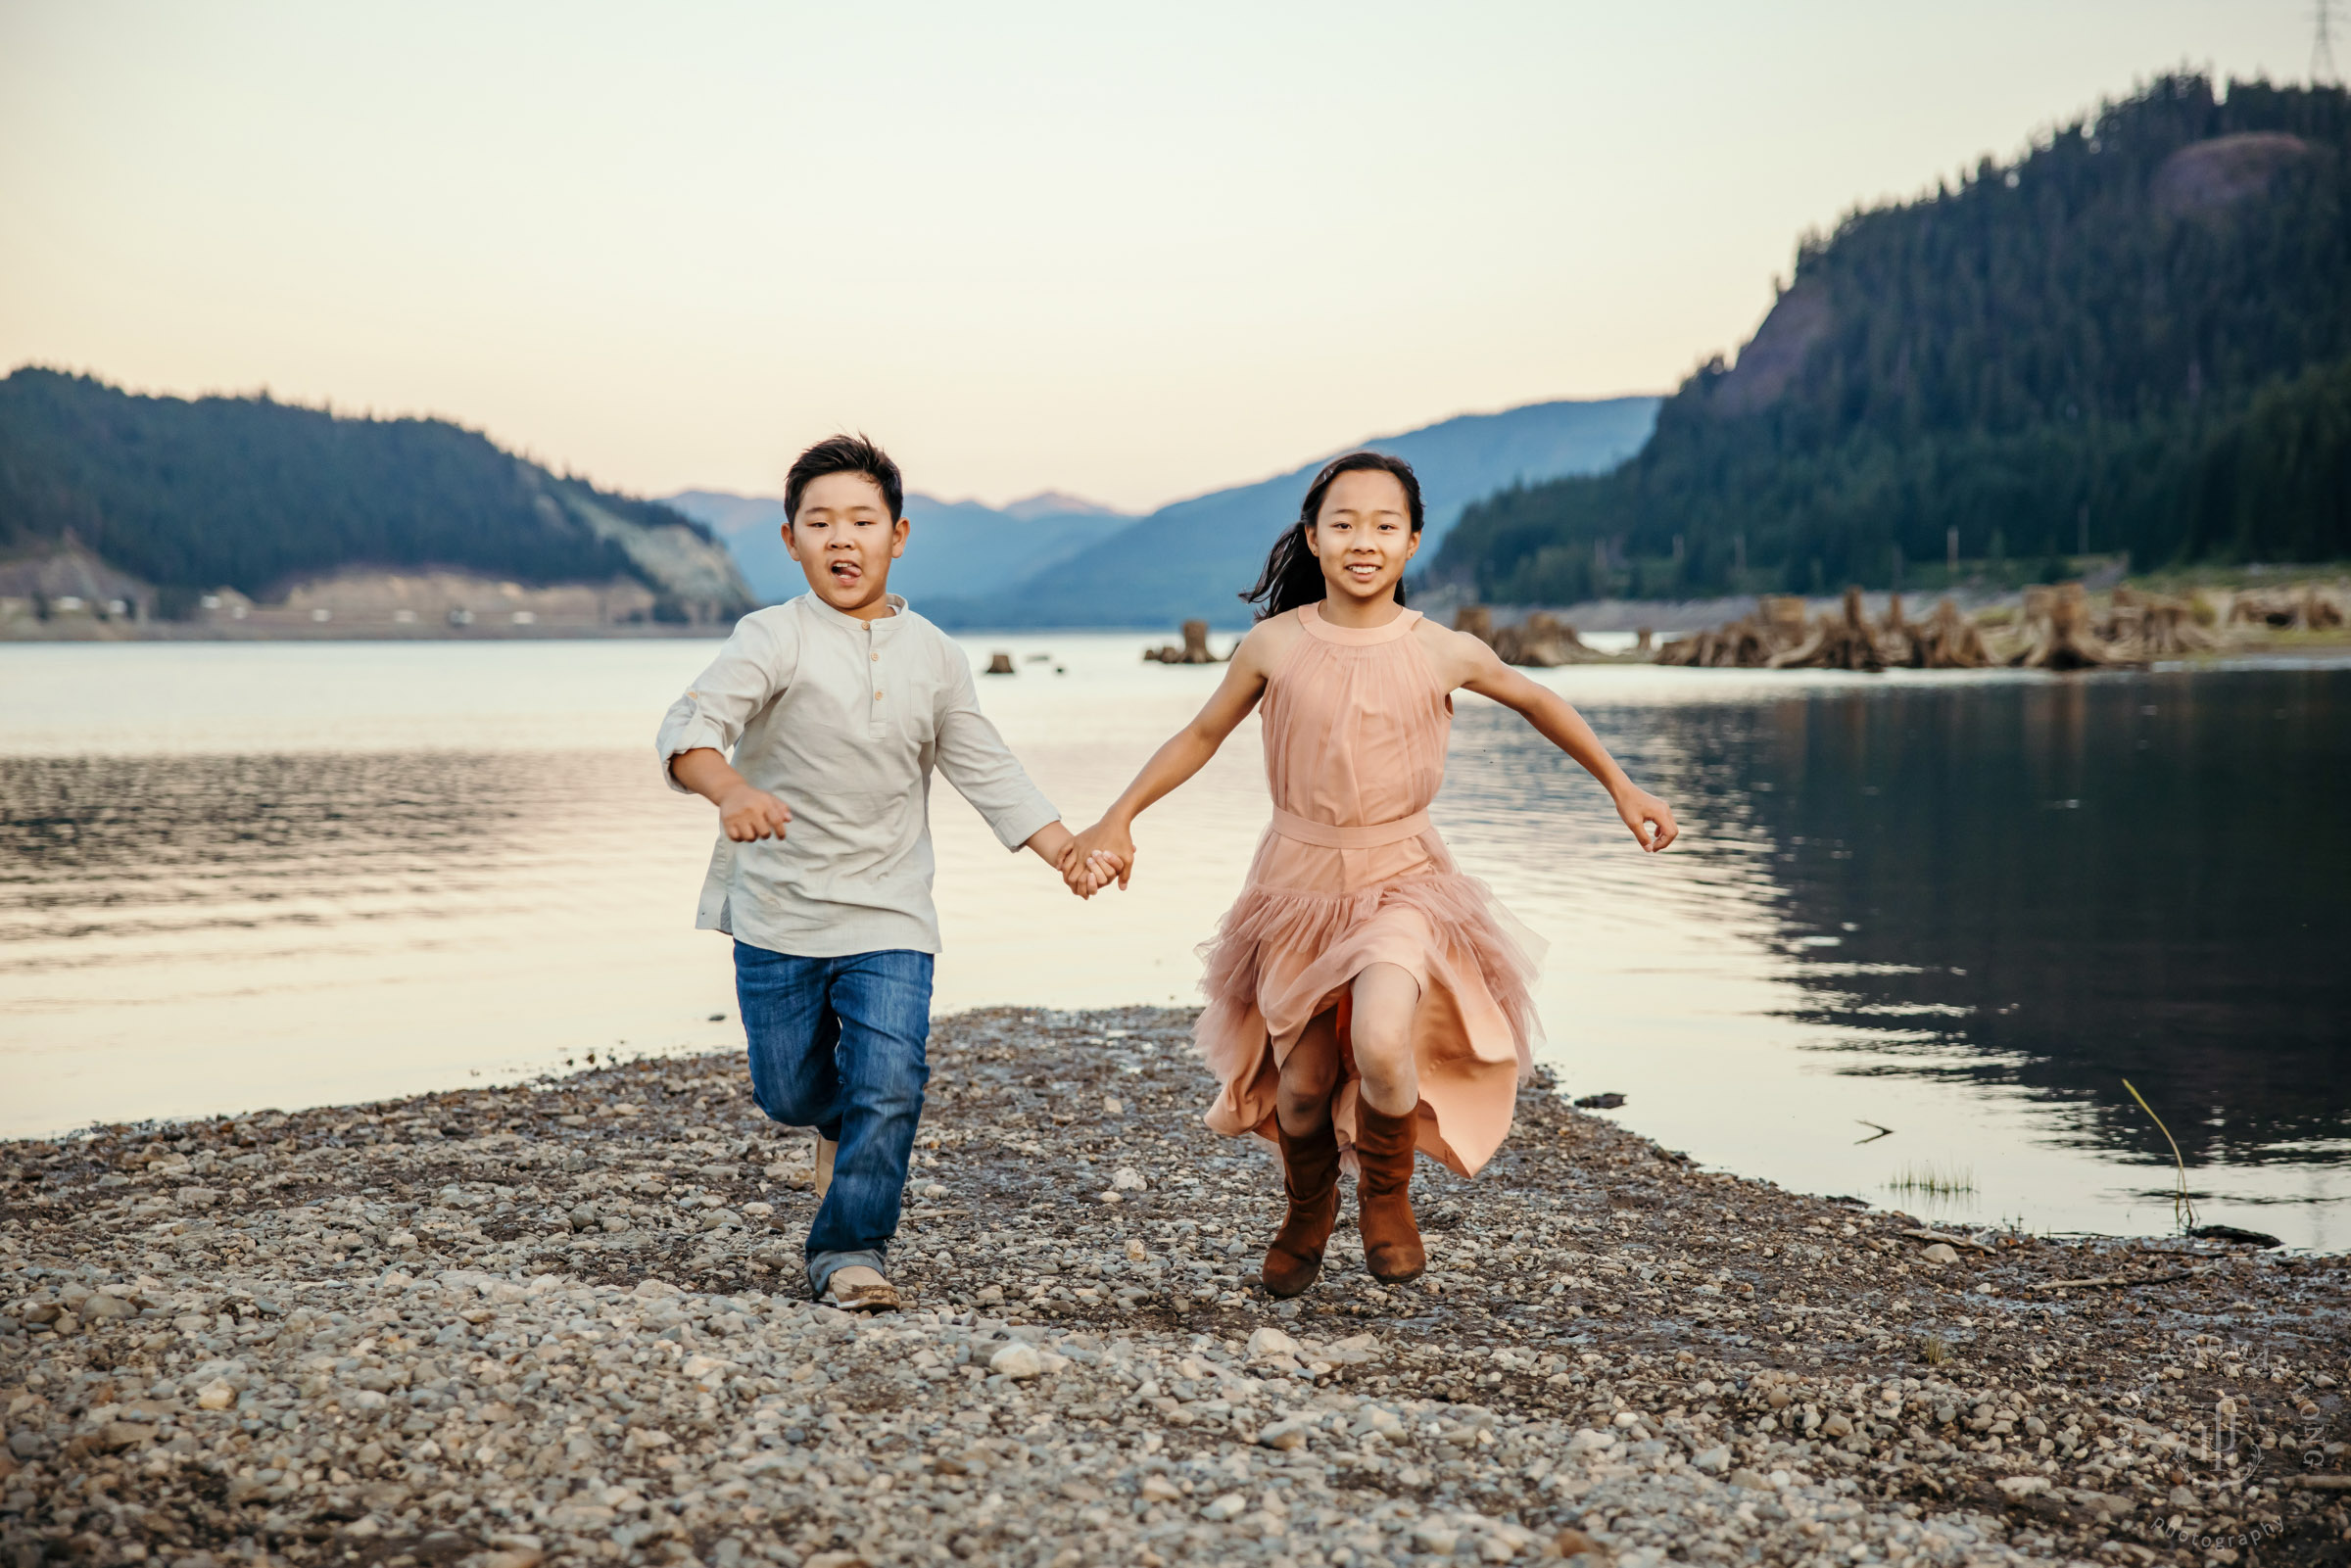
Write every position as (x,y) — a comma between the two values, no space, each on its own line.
(1310,920)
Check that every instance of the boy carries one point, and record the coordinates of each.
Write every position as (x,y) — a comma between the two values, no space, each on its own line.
(836,706)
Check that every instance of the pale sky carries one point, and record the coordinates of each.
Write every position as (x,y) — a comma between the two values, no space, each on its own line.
(1132,252)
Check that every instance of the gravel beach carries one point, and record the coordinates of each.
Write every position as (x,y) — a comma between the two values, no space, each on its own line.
(564,1321)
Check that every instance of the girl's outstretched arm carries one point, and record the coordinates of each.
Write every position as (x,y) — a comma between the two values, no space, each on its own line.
(1557,721)
(1186,751)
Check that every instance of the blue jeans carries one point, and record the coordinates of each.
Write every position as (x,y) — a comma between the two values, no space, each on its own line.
(837,1044)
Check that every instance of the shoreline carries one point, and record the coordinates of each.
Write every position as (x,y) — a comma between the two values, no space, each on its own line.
(561,1322)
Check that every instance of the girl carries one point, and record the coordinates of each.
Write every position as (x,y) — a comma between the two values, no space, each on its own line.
(1363,993)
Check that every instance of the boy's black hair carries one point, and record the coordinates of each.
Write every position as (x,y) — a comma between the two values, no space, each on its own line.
(1292,576)
(843,454)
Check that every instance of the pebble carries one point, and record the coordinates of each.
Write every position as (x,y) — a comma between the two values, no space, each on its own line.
(502,1327)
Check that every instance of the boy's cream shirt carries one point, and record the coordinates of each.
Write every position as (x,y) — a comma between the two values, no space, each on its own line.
(843,720)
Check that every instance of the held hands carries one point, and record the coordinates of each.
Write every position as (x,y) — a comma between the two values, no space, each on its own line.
(1087,872)
(747,814)
(1649,819)
(1096,857)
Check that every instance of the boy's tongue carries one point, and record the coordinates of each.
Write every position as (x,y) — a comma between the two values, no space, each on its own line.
(847,572)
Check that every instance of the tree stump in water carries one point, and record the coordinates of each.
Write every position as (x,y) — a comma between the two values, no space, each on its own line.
(2307,608)
(1193,652)
(1540,640)
(1544,641)
(1841,640)
(1950,641)
(1776,624)
(1000,664)
(2059,635)
(2151,625)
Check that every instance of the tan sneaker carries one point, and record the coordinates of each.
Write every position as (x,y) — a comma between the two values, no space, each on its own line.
(859,1289)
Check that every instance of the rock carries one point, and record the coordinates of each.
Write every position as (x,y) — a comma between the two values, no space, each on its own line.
(1285,1435)
(1018,1360)
(1436,1537)
(1575,1544)
(2182,1498)
(284,1353)
(1940,1253)
(1266,1342)
(1113,1106)
(1128,1179)
(197,1197)
(2022,1485)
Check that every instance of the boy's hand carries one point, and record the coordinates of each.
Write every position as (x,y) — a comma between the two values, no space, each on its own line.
(1106,846)
(747,814)
(1057,846)
(1649,819)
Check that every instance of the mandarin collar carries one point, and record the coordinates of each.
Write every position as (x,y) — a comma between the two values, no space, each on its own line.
(850,622)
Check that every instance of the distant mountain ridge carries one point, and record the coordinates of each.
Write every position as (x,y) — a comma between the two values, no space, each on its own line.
(2135,337)
(1193,558)
(956,548)
(197,495)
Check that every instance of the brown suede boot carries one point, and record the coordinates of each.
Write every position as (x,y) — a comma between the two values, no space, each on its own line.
(1383,1195)
(1310,1177)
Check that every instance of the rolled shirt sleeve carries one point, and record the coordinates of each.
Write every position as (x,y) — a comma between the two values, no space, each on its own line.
(980,766)
(756,664)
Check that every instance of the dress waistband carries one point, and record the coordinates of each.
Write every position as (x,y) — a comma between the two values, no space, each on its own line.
(1369,835)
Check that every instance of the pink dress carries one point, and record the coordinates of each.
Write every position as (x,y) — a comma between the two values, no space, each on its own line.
(1351,873)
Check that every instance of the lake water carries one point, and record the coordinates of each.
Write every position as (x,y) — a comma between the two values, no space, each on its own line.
(1961,907)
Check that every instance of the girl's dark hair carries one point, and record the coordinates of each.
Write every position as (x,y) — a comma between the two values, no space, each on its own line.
(1292,576)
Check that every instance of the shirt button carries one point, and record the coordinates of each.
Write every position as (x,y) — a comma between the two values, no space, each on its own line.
(877,658)
(877,696)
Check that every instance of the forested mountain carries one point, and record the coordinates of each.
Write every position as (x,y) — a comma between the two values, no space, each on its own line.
(958,548)
(1195,557)
(2137,335)
(254,495)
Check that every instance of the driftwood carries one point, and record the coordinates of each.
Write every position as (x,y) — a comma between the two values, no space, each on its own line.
(1950,641)
(1750,642)
(1837,641)
(2058,634)
(2151,625)
(1540,640)
(1778,637)
(2111,1281)
(1193,652)
(2307,608)
(1946,1238)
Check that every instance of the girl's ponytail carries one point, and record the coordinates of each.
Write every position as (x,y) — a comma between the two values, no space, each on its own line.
(1292,576)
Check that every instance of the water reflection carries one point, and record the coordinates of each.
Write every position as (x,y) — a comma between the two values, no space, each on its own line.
(2056,885)
(1963,906)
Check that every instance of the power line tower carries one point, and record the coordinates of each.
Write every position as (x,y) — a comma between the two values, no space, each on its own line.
(2322,44)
